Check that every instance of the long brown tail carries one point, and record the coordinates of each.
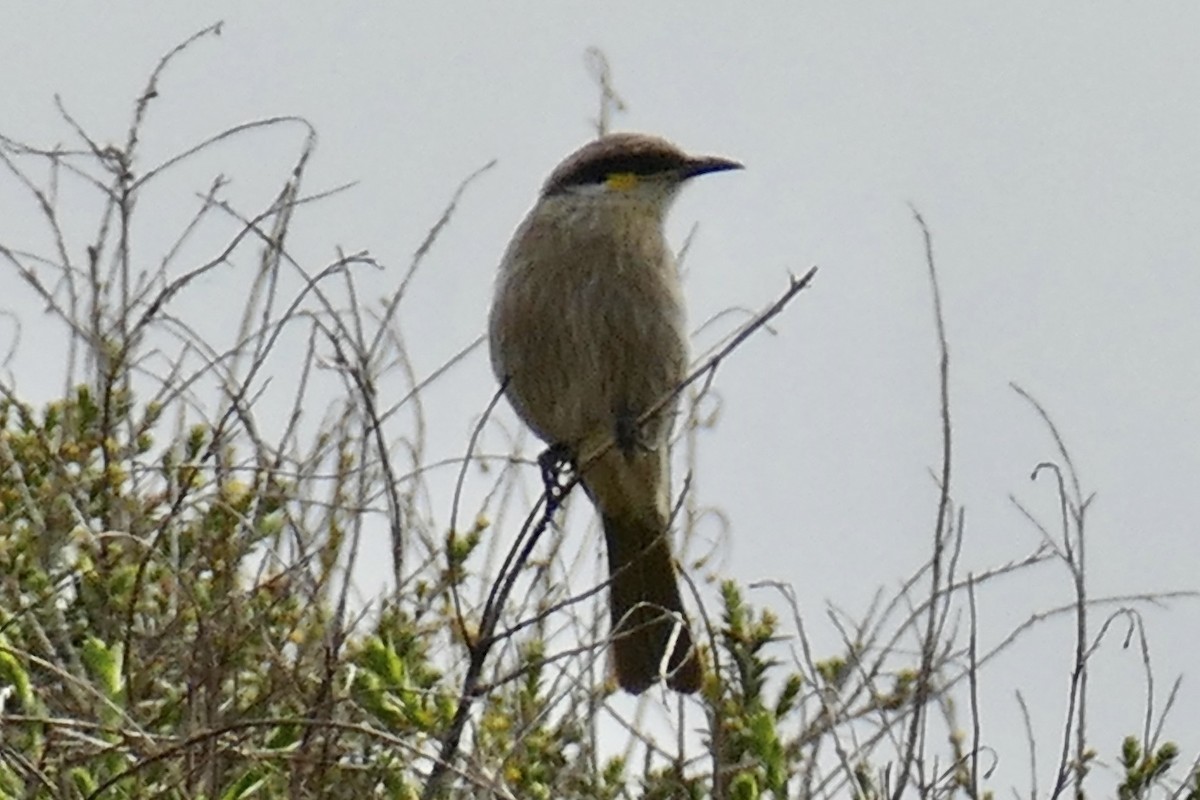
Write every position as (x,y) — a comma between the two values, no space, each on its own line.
(646,609)
(631,491)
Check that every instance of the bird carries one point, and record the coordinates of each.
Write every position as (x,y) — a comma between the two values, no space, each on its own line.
(587,336)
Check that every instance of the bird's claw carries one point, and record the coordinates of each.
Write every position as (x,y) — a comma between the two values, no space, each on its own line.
(555,462)
(631,436)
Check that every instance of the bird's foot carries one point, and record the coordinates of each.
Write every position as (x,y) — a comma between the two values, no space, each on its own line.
(556,464)
(630,436)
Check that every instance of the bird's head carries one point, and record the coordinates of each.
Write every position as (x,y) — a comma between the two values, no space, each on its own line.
(629,169)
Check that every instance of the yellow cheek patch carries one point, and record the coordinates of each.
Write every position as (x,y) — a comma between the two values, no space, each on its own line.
(622,181)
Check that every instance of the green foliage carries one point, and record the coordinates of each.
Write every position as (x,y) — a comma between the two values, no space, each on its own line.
(1143,770)
(144,636)
(748,733)
(165,646)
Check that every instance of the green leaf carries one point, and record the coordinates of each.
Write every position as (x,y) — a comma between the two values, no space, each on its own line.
(744,787)
(104,664)
(246,785)
(13,674)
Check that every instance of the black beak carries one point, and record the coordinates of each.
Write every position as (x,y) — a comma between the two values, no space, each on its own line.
(702,165)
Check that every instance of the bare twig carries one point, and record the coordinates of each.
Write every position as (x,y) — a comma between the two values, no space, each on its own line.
(923,688)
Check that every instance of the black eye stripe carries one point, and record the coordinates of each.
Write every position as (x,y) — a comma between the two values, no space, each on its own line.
(595,170)
(638,164)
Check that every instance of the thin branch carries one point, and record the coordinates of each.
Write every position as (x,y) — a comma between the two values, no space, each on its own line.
(922,692)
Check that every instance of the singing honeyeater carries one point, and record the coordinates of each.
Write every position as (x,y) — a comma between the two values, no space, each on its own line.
(587,335)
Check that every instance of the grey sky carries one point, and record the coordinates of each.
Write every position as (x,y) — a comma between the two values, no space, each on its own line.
(1055,153)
